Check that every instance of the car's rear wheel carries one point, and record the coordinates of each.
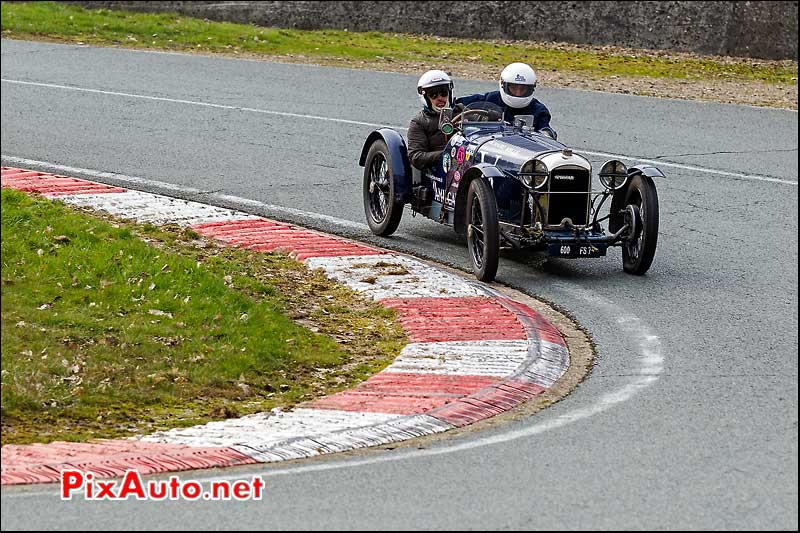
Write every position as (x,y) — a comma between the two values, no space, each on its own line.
(483,236)
(382,211)
(641,212)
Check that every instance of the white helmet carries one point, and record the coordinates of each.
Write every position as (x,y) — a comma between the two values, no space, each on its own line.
(434,78)
(517,83)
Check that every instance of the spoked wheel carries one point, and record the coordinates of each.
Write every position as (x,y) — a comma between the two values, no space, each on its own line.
(383,213)
(641,213)
(483,235)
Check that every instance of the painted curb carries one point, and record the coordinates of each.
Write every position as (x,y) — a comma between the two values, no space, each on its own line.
(498,354)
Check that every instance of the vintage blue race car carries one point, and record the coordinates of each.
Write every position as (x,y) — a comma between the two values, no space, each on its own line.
(505,185)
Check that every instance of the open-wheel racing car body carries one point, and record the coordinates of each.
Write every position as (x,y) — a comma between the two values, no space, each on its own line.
(505,185)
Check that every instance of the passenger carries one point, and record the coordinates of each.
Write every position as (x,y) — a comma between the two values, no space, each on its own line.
(515,97)
(425,140)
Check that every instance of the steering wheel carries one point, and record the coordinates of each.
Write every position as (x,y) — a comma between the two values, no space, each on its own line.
(460,116)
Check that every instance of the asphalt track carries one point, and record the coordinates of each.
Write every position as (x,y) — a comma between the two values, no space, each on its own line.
(689,418)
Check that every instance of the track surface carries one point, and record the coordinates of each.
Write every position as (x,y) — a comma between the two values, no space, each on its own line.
(689,419)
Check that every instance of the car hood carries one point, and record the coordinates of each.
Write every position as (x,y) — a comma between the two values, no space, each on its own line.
(510,152)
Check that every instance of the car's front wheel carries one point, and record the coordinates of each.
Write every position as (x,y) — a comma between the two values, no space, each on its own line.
(483,233)
(382,211)
(641,213)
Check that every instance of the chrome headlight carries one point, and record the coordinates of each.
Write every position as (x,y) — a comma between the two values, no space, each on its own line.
(613,174)
(534,174)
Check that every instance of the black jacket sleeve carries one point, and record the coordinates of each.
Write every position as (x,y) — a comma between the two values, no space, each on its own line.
(419,147)
(541,115)
(471,99)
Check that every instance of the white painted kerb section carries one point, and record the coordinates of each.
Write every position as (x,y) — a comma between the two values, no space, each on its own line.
(462,358)
(154,209)
(393,276)
(267,429)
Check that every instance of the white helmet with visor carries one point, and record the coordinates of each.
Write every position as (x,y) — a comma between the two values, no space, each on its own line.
(517,83)
(431,84)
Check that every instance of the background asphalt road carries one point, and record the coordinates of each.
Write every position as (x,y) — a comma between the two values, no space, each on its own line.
(689,418)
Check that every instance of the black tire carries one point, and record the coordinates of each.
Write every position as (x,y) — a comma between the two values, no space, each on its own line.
(483,234)
(639,248)
(382,210)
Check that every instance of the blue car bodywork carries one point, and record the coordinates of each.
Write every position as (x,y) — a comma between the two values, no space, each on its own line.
(542,190)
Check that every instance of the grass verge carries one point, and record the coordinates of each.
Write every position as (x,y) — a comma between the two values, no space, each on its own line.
(64,22)
(113,328)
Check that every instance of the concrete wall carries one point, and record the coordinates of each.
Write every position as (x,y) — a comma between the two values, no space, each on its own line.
(745,29)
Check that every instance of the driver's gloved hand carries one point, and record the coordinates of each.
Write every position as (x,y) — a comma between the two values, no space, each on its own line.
(550,132)
(458,108)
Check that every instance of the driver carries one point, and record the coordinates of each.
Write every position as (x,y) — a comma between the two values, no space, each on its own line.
(425,139)
(515,97)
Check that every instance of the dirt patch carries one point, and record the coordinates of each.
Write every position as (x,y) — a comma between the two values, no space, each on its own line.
(754,93)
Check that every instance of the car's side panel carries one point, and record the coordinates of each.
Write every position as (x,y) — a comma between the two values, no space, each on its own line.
(510,200)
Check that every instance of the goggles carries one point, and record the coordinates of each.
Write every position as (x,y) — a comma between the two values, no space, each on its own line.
(433,92)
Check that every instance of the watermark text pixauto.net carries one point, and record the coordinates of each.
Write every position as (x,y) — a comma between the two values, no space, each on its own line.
(75,483)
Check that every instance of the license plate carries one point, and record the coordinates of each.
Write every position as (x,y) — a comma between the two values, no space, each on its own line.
(577,250)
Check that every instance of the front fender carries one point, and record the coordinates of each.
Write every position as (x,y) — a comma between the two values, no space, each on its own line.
(398,160)
(648,170)
(618,200)
(483,171)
